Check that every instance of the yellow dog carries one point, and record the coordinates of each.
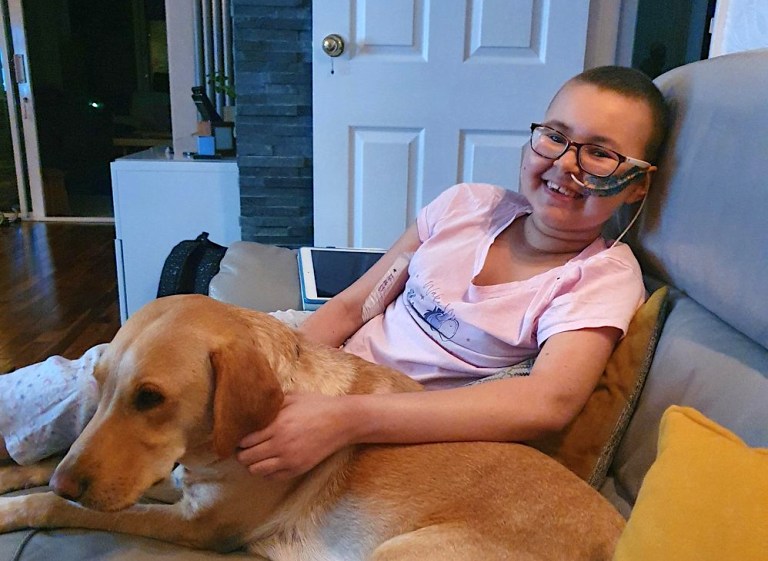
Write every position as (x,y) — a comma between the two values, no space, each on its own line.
(187,377)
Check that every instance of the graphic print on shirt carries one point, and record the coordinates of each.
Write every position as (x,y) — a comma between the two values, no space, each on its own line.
(426,305)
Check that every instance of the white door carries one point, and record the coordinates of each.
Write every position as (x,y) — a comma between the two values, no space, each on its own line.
(428,93)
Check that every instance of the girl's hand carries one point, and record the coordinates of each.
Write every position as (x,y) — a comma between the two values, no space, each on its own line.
(308,429)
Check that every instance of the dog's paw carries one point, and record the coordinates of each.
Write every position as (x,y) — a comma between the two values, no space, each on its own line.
(14,477)
(168,491)
(15,513)
(9,510)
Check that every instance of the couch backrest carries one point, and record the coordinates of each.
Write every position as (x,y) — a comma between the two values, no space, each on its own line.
(706,226)
(704,232)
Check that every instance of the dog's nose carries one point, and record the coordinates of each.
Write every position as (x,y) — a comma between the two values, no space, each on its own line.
(67,486)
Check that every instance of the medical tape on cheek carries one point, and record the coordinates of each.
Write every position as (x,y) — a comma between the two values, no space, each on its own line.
(608,186)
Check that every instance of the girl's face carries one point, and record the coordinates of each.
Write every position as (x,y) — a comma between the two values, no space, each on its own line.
(585,113)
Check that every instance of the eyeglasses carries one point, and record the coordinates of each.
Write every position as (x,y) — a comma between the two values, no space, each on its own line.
(593,159)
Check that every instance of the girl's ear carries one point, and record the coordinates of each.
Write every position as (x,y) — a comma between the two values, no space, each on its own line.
(641,190)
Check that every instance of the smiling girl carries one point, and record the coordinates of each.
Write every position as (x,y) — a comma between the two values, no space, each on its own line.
(497,278)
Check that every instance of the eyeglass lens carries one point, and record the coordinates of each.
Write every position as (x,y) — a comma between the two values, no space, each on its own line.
(593,159)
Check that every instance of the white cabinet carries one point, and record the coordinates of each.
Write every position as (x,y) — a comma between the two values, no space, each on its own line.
(160,201)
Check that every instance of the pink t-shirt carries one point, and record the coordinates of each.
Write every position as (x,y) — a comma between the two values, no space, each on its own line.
(445,331)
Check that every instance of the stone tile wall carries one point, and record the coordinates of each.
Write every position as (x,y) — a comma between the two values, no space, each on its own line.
(273,77)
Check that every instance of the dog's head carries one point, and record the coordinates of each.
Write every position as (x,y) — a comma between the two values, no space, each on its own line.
(183,380)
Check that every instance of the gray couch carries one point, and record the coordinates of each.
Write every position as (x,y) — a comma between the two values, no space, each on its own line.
(703,233)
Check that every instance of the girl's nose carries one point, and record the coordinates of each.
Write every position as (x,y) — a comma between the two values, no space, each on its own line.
(569,161)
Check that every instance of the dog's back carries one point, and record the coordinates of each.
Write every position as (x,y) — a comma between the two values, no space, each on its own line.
(497,497)
(463,500)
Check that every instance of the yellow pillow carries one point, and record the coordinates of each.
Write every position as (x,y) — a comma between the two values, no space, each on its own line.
(704,498)
(589,442)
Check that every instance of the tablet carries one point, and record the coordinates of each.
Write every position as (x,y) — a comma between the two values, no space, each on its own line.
(326,271)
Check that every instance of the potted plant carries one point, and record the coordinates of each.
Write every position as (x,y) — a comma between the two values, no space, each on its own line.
(224,84)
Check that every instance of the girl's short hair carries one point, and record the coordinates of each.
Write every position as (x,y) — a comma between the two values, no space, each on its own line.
(634,85)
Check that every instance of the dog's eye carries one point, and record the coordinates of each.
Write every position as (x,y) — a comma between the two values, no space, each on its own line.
(148,397)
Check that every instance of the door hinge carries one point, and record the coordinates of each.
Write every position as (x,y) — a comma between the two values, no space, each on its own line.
(19,69)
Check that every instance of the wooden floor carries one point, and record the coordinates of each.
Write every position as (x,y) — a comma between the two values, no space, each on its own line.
(58,290)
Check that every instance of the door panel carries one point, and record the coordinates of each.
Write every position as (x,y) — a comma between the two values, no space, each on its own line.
(386,164)
(501,27)
(490,157)
(390,29)
(427,94)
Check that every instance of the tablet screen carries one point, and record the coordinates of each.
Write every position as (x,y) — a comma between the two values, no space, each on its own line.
(336,270)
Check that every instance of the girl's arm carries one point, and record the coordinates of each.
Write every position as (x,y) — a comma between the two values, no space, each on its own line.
(514,409)
(336,320)
(311,427)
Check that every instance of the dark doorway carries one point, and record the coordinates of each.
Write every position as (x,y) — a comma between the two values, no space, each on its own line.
(670,33)
(100,81)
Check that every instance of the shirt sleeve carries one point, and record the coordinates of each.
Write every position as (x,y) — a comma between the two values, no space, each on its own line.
(605,292)
(456,200)
(433,212)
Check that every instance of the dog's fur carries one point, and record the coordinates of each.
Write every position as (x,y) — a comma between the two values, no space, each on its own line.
(187,377)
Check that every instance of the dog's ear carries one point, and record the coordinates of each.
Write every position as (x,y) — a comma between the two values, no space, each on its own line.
(247,395)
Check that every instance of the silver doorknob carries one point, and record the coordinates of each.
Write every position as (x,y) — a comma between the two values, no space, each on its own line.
(333,45)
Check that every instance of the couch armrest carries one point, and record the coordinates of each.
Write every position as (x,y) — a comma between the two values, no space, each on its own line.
(258,276)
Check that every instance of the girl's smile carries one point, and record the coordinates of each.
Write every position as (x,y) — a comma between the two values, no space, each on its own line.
(559,190)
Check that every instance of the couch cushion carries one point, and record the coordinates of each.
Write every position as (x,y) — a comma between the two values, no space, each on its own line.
(700,362)
(84,545)
(258,276)
(704,498)
(704,227)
